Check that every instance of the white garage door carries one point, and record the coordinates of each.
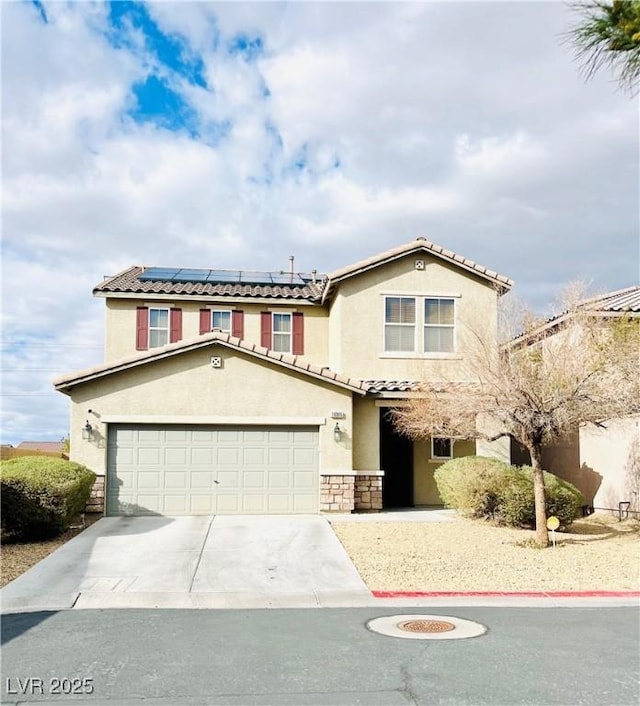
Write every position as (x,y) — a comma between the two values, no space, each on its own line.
(189,470)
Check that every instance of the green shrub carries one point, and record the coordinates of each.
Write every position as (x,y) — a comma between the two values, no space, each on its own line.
(472,484)
(488,488)
(563,500)
(41,495)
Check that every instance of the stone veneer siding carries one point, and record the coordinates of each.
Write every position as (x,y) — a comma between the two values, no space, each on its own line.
(96,499)
(347,493)
(336,493)
(368,493)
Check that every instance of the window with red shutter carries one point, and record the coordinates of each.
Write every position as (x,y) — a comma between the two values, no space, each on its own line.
(237,323)
(142,328)
(265,329)
(297,346)
(205,320)
(175,332)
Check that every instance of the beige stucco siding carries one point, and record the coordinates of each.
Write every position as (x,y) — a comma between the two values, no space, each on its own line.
(120,334)
(357,319)
(366,434)
(425,490)
(612,453)
(186,387)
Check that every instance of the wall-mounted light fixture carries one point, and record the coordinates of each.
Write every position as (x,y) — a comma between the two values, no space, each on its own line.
(337,433)
(87,431)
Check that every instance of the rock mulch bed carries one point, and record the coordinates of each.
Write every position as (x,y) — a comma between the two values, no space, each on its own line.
(597,553)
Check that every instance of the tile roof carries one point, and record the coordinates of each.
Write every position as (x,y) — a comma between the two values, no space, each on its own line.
(374,386)
(621,302)
(625,300)
(128,282)
(51,446)
(417,245)
(292,362)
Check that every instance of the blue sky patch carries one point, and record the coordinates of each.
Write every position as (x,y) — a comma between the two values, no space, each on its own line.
(158,103)
(170,51)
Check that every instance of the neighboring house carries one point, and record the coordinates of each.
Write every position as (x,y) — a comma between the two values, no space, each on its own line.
(54,447)
(603,462)
(268,392)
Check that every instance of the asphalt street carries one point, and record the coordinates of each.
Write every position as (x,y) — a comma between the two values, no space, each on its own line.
(533,656)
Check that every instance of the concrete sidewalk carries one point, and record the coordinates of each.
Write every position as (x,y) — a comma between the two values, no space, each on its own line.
(193,562)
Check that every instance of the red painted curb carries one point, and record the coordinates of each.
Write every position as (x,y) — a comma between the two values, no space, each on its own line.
(507,594)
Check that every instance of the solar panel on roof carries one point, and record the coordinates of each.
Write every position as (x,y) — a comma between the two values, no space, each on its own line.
(158,273)
(255,277)
(223,276)
(286,278)
(186,275)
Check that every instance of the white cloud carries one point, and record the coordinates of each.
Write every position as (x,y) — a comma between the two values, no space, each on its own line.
(467,123)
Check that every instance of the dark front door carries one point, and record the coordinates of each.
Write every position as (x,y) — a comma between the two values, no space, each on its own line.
(396,460)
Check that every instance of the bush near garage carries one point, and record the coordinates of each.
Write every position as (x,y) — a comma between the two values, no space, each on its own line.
(39,496)
(481,487)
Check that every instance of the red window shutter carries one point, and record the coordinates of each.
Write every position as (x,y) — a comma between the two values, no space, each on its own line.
(297,347)
(175,331)
(142,328)
(237,324)
(265,329)
(205,320)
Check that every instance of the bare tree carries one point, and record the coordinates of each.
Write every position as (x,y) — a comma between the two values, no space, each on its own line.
(577,367)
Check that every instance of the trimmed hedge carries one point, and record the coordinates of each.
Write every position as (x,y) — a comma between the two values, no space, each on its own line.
(488,488)
(41,495)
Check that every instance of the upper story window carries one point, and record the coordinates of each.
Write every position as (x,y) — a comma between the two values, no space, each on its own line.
(282,332)
(157,326)
(400,324)
(441,448)
(222,320)
(438,325)
(405,316)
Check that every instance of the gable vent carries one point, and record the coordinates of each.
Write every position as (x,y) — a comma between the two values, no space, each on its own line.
(419,264)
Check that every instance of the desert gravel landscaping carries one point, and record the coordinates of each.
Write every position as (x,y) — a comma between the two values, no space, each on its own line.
(598,553)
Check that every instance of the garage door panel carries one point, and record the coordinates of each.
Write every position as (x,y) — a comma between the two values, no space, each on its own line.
(279,457)
(279,479)
(189,470)
(228,504)
(304,480)
(229,456)
(175,457)
(252,479)
(304,457)
(201,479)
(228,479)
(202,457)
(149,456)
(253,457)
(176,480)
(150,480)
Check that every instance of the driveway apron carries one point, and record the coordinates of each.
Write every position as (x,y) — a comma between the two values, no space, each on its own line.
(221,561)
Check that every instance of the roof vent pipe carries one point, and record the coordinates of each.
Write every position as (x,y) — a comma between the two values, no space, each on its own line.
(291,261)
(313,275)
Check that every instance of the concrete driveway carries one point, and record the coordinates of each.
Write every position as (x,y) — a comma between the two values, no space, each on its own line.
(223,561)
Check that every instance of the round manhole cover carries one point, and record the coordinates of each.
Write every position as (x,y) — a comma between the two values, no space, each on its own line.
(426,627)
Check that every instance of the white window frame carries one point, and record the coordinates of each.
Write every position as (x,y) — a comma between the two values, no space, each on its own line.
(275,333)
(425,325)
(166,329)
(222,311)
(435,457)
(413,325)
(418,351)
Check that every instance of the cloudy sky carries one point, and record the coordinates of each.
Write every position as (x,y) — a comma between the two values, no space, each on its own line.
(233,135)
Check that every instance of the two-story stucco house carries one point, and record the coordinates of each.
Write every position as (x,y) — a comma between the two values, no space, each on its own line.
(268,392)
